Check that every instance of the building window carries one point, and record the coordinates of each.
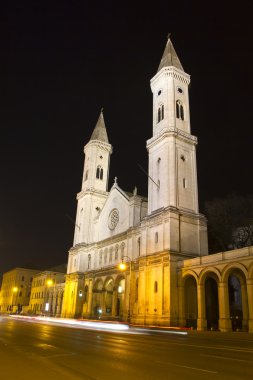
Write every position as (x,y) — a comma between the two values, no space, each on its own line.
(89,261)
(184,183)
(136,289)
(179,110)
(155,287)
(116,252)
(105,256)
(86,175)
(160,113)
(23,278)
(156,237)
(100,257)
(122,247)
(99,172)
(86,292)
(139,246)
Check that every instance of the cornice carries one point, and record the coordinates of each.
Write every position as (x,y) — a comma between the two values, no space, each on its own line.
(173,72)
(100,144)
(171,131)
(92,191)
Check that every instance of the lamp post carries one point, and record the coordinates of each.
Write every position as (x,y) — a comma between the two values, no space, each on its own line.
(122,266)
(49,283)
(14,300)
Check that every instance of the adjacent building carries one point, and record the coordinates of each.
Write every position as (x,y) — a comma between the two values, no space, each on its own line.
(16,290)
(47,293)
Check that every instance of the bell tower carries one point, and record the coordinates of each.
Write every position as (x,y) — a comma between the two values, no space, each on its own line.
(172,152)
(94,184)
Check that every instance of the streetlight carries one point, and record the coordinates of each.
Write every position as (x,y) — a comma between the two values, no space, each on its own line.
(49,283)
(122,267)
(14,301)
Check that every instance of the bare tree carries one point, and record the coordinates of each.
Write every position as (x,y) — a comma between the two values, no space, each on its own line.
(230,222)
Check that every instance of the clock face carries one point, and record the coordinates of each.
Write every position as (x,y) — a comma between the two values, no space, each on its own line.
(113,219)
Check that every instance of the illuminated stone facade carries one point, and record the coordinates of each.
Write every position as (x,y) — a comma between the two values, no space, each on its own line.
(47,293)
(169,278)
(16,290)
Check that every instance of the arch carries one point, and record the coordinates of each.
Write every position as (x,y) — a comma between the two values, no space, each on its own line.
(108,283)
(98,285)
(250,271)
(187,274)
(118,279)
(231,267)
(209,271)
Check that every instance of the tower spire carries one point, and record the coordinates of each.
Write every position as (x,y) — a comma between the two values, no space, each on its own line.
(99,132)
(170,57)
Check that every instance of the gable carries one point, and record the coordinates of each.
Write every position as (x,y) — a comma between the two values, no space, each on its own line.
(114,217)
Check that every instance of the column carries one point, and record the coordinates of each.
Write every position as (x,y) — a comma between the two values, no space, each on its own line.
(245,310)
(250,303)
(181,306)
(201,323)
(90,294)
(224,312)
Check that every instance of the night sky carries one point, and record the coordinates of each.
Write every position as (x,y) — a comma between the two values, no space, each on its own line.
(60,63)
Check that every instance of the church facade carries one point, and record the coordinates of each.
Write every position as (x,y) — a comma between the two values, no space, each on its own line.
(165,277)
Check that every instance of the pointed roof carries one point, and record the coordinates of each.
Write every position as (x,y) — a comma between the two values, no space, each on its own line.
(170,57)
(99,132)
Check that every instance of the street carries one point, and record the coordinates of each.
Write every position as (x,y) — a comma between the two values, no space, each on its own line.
(31,349)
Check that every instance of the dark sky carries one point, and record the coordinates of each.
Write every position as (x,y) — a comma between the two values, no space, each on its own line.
(60,63)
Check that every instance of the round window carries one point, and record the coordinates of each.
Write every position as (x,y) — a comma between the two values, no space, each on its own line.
(113,219)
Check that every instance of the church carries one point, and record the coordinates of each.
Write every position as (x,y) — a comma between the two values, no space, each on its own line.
(144,260)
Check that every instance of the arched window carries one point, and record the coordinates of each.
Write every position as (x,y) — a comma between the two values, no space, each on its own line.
(156,237)
(122,247)
(179,110)
(139,246)
(89,261)
(99,172)
(155,287)
(160,113)
(116,252)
